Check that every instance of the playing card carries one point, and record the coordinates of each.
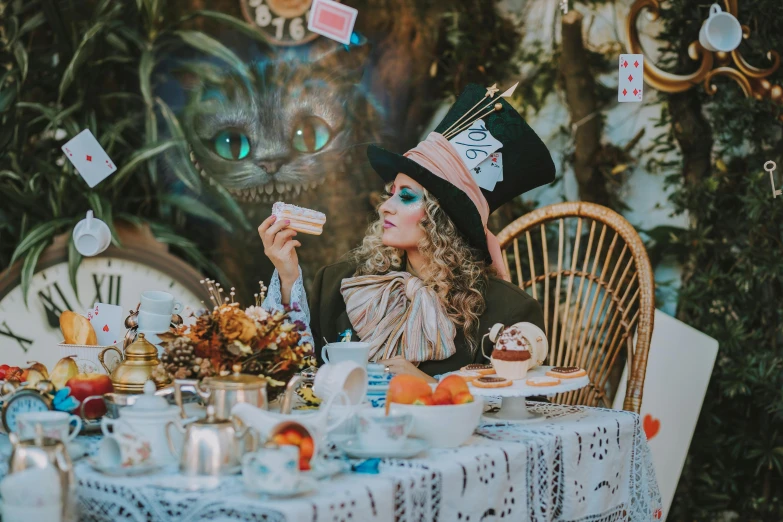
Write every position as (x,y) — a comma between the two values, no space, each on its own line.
(489,172)
(89,158)
(107,322)
(332,19)
(475,144)
(630,85)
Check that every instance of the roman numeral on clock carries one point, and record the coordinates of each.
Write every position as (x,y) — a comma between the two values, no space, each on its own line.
(113,296)
(6,330)
(53,309)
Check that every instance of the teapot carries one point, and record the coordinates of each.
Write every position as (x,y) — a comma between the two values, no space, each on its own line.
(43,452)
(226,391)
(136,367)
(212,446)
(149,415)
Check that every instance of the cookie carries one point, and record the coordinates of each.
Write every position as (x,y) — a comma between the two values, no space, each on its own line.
(481,369)
(566,372)
(491,382)
(542,381)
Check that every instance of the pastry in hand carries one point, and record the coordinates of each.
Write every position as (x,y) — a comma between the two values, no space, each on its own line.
(511,357)
(302,219)
(77,329)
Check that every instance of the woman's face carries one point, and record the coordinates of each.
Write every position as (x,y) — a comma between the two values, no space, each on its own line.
(402,213)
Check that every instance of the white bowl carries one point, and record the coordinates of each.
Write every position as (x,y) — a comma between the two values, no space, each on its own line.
(445,426)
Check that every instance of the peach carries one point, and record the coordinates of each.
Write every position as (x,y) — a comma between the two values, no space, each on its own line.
(405,389)
(463,398)
(454,384)
(441,396)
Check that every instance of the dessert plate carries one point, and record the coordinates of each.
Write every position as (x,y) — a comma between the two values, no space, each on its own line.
(132,471)
(411,448)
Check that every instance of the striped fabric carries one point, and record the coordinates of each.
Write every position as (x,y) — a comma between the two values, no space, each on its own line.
(398,315)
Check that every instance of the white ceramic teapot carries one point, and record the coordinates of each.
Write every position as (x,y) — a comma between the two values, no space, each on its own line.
(317,424)
(148,416)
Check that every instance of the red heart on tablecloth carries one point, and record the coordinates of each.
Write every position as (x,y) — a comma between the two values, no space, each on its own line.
(651,426)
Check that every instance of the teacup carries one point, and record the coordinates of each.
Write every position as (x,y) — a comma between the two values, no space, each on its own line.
(273,469)
(346,376)
(56,425)
(91,236)
(161,303)
(124,449)
(149,322)
(357,352)
(721,31)
(377,430)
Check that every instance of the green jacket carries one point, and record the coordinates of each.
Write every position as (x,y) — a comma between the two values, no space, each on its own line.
(506,304)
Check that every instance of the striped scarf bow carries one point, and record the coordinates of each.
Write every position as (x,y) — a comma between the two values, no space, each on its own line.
(398,315)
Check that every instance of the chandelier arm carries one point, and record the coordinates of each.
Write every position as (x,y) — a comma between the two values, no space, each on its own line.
(730,72)
(754,72)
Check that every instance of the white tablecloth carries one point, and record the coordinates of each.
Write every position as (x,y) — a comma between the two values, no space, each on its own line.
(580,464)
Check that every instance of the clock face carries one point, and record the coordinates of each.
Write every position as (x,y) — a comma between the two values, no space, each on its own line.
(23,401)
(32,332)
(282,22)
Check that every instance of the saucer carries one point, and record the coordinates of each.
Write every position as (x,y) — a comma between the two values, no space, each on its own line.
(132,471)
(327,468)
(76,449)
(306,485)
(411,448)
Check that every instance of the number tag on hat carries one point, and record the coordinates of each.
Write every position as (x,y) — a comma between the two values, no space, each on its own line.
(475,144)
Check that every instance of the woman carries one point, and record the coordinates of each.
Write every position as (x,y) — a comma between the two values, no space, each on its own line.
(429,278)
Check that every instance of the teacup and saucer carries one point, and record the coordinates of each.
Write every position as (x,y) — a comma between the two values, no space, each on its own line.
(274,471)
(383,436)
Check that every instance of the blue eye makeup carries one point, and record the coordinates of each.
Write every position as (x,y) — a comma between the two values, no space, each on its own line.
(408,196)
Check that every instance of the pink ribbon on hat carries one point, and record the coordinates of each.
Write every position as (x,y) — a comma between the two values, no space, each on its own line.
(438,156)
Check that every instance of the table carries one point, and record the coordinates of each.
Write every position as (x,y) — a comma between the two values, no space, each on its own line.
(580,464)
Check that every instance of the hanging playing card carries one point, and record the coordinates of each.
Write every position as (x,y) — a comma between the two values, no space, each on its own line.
(475,144)
(89,158)
(332,19)
(630,84)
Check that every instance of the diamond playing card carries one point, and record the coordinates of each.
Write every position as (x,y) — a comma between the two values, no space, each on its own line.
(107,321)
(630,85)
(475,144)
(332,19)
(89,158)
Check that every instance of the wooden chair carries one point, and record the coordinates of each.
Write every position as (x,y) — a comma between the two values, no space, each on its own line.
(597,292)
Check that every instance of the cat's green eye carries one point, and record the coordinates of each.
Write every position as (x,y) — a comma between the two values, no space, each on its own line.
(311,135)
(231,145)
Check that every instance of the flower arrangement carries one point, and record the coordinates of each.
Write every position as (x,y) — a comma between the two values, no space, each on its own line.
(264,342)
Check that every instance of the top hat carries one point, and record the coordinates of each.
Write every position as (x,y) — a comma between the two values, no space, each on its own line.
(527,163)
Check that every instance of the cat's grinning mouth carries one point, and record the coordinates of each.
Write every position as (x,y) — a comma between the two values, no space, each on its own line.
(266,193)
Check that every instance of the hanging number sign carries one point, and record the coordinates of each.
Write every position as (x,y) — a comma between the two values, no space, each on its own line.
(770,167)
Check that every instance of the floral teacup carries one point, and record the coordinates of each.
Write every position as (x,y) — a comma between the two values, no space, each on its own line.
(377,430)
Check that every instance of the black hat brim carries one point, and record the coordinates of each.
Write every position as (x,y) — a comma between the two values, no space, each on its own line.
(454,202)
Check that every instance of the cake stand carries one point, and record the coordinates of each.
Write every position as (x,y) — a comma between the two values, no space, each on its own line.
(513,407)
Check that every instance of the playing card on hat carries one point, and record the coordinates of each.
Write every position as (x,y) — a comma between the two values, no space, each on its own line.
(107,321)
(489,172)
(332,19)
(89,158)
(630,85)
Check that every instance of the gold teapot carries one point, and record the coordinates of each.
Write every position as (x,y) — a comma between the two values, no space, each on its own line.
(136,367)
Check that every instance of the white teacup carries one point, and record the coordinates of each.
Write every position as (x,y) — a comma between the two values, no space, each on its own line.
(24,512)
(271,469)
(150,322)
(377,430)
(56,425)
(346,376)
(357,352)
(124,449)
(721,31)
(91,236)
(157,302)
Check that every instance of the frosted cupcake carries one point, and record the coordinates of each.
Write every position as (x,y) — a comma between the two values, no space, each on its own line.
(511,357)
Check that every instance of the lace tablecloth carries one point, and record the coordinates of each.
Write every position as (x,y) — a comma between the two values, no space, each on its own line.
(580,464)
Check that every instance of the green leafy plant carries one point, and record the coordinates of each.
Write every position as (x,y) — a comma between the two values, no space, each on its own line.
(90,65)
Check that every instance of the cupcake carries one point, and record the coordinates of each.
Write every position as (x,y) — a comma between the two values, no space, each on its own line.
(511,357)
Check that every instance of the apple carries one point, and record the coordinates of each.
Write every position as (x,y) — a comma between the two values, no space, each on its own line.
(83,385)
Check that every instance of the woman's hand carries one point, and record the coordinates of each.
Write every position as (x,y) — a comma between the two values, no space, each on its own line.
(400,365)
(280,248)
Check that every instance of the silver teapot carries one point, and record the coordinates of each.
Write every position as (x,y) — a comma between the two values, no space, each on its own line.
(225,391)
(43,452)
(212,446)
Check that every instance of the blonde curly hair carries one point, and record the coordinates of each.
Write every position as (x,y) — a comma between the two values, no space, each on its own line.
(454,269)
